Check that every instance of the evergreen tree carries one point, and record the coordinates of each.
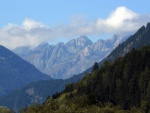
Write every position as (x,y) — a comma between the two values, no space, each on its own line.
(95,67)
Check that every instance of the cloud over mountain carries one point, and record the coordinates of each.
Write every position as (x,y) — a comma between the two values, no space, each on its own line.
(32,33)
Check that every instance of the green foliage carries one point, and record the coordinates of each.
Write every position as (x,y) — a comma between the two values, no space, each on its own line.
(69,88)
(55,95)
(95,67)
(5,110)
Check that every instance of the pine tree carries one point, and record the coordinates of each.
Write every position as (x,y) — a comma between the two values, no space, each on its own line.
(95,67)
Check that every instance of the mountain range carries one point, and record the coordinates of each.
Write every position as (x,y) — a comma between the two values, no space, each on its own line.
(63,60)
(35,92)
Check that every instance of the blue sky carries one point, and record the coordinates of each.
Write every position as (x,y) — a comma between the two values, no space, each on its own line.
(26,21)
(52,12)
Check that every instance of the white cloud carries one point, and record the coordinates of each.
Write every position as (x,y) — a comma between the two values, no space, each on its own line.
(32,33)
(119,16)
(29,24)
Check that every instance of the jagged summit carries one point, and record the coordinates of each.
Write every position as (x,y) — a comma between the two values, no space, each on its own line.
(81,41)
(84,38)
(148,25)
(44,44)
(64,60)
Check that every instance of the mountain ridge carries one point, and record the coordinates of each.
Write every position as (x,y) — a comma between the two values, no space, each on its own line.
(140,38)
(63,60)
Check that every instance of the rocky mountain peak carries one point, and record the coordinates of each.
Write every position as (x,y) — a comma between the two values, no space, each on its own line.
(43,45)
(60,44)
(84,41)
(81,41)
(148,26)
(66,59)
(78,44)
(141,30)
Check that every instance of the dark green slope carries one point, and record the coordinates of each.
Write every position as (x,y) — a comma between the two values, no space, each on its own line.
(15,72)
(122,86)
(124,82)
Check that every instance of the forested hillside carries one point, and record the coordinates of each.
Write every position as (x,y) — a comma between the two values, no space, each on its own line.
(119,87)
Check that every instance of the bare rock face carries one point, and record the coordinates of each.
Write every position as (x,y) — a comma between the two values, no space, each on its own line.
(64,60)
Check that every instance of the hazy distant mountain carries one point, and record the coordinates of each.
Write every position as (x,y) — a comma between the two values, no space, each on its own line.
(16,72)
(64,60)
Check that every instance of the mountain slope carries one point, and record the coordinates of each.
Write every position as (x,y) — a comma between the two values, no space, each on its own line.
(5,110)
(122,86)
(15,72)
(139,39)
(62,61)
(35,92)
